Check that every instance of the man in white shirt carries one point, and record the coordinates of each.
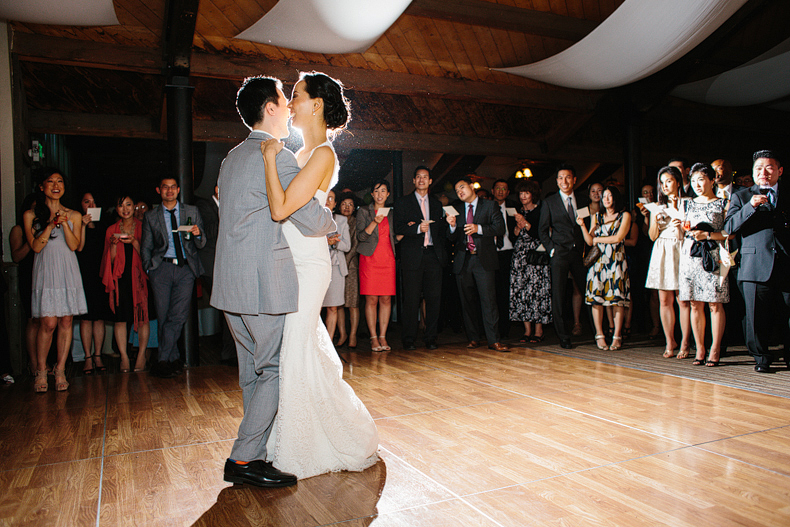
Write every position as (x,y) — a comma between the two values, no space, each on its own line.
(504,247)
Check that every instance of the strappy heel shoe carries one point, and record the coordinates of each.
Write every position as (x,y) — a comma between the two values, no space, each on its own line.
(619,345)
(385,346)
(85,369)
(61,384)
(99,367)
(41,383)
(375,348)
(600,347)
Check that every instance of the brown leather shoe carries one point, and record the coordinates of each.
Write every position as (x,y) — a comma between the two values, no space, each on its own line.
(496,346)
(473,344)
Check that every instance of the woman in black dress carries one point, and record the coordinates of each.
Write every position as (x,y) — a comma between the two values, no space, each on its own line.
(530,283)
(126,282)
(89,255)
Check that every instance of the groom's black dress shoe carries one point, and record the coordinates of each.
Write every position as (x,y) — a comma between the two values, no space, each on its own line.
(258,473)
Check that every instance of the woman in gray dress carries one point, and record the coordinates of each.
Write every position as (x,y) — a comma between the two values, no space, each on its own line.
(339,242)
(53,233)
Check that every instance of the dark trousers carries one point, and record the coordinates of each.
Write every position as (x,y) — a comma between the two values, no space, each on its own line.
(228,350)
(172,287)
(765,303)
(426,281)
(560,266)
(478,291)
(503,291)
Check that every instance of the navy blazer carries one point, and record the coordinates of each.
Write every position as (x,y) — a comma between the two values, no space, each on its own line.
(407,210)
(558,231)
(762,233)
(489,217)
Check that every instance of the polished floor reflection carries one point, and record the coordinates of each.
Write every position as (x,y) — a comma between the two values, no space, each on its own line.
(474,438)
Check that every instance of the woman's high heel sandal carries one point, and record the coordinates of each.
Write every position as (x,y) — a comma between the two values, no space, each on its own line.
(375,348)
(99,367)
(385,346)
(603,338)
(41,383)
(618,340)
(61,384)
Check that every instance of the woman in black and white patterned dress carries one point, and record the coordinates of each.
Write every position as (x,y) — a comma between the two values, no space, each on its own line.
(704,219)
(530,285)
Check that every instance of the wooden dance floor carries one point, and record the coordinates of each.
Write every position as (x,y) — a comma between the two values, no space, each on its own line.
(475,438)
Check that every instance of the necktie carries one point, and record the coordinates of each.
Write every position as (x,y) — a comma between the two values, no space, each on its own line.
(571,210)
(176,237)
(424,207)
(772,197)
(470,218)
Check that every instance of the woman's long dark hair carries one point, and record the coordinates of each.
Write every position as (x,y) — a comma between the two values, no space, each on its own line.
(674,173)
(41,210)
(618,203)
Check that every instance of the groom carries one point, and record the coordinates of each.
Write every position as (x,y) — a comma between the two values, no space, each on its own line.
(255,280)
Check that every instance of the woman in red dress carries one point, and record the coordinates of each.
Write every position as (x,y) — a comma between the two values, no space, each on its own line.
(377,263)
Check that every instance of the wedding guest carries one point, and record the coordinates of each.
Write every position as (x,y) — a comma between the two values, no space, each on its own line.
(127,283)
(530,281)
(140,208)
(700,281)
(89,254)
(663,273)
(376,248)
(22,255)
(339,242)
(607,278)
(53,233)
(348,208)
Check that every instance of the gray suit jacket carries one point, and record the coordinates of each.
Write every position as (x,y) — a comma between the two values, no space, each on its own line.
(368,242)
(156,238)
(253,268)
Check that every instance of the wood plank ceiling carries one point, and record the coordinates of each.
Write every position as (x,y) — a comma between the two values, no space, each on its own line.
(425,85)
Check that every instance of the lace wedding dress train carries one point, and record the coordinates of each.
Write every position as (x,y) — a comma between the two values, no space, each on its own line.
(321,425)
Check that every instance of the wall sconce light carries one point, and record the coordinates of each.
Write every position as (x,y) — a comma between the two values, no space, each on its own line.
(524,173)
(475,185)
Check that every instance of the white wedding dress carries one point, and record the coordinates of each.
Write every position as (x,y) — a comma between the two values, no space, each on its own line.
(321,425)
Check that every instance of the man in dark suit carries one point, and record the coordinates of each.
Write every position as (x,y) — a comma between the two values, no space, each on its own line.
(171,261)
(683,165)
(504,247)
(562,238)
(209,213)
(422,254)
(473,233)
(760,218)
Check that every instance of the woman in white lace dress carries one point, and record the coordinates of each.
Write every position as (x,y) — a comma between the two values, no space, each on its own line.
(321,425)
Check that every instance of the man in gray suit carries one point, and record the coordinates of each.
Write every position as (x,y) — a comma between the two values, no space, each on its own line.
(170,258)
(255,280)
(759,216)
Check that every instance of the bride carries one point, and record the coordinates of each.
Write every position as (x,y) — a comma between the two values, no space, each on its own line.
(321,425)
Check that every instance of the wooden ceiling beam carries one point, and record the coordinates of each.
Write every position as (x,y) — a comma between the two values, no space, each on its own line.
(144,60)
(500,16)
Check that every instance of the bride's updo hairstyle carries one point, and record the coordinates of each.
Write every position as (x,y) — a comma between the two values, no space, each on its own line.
(337,110)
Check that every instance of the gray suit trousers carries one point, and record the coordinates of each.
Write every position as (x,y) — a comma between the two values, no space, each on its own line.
(172,287)
(258,340)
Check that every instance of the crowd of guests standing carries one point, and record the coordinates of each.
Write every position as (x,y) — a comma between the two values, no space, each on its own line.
(533,261)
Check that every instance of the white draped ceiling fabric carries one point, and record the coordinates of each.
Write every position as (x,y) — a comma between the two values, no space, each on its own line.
(640,38)
(60,13)
(325,26)
(761,80)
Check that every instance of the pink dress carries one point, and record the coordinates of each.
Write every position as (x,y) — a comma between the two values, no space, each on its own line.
(377,272)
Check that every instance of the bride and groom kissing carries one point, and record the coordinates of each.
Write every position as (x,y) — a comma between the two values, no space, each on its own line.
(271,273)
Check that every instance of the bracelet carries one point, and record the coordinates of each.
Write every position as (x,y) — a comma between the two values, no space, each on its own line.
(708,236)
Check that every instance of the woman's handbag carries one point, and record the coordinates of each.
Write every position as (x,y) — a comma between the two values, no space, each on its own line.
(592,256)
(535,257)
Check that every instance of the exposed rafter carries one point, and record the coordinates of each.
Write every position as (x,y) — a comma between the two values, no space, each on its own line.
(500,16)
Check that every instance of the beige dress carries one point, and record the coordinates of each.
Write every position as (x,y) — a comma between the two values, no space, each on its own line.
(664,268)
